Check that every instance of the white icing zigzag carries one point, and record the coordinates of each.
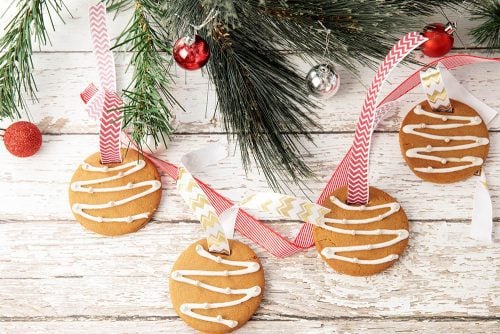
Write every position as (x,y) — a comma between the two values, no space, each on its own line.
(331,252)
(187,308)
(417,152)
(130,168)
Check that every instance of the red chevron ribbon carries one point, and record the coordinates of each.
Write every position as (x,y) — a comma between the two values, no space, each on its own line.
(357,174)
(101,46)
(104,103)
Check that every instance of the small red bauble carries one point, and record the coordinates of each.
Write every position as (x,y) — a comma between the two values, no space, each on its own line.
(22,139)
(440,39)
(191,53)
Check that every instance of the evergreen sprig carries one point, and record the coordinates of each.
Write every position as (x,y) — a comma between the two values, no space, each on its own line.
(148,101)
(16,50)
(263,99)
(488,32)
(349,33)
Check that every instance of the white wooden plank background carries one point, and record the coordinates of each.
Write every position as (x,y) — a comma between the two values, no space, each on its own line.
(56,277)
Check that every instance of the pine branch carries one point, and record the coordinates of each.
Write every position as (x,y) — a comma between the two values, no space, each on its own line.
(148,101)
(16,50)
(488,33)
(263,101)
(359,32)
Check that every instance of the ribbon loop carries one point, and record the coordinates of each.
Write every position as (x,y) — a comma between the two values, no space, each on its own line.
(101,47)
(204,211)
(104,103)
(340,175)
(357,176)
(434,89)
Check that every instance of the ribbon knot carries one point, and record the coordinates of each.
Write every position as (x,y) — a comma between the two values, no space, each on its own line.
(104,103)
(105,106)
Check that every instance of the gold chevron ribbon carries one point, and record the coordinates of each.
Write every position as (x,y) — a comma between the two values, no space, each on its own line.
(204,211)
(286,207)
(431,78)
(433,85)
(437,95)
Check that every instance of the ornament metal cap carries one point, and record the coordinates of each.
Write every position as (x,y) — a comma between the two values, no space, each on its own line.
(450,27)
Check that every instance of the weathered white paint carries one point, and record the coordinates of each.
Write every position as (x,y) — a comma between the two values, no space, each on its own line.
(57,269)
(262,326)
(45,188)
(57,277)
(62,76)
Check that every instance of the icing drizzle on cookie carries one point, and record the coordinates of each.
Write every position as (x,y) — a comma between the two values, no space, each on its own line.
(332,252)
(122,171)
(419,152)
(187,308)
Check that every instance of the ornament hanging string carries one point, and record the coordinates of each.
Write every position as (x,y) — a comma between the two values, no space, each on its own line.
(327,38)
(454,24)
(211,16)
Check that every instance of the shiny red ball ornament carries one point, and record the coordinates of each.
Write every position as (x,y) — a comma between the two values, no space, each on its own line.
(22,139)
(440,39)
(191,52)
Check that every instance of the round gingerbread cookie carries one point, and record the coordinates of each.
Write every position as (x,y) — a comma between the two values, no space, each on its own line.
(216,293)
(444,147)
(117,198)
(362,240)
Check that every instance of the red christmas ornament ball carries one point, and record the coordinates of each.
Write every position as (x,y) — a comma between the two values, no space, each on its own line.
(440,39)
(191,53)
(22,139)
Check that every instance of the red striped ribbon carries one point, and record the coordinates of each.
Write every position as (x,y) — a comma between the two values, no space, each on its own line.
(357,174)
(104,103)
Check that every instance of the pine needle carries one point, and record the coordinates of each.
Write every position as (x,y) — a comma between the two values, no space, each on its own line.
(263,99)
(148,101)
(16,50)
(488,32)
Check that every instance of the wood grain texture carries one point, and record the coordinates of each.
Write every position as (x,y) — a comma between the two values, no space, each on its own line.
(261,326)
(42,181)
(56,269)
(65,67)
(62,76)
(55,277)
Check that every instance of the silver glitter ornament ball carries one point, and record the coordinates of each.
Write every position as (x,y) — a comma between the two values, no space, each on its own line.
(323,81)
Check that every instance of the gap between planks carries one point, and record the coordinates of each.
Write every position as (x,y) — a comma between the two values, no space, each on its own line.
(256,317)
